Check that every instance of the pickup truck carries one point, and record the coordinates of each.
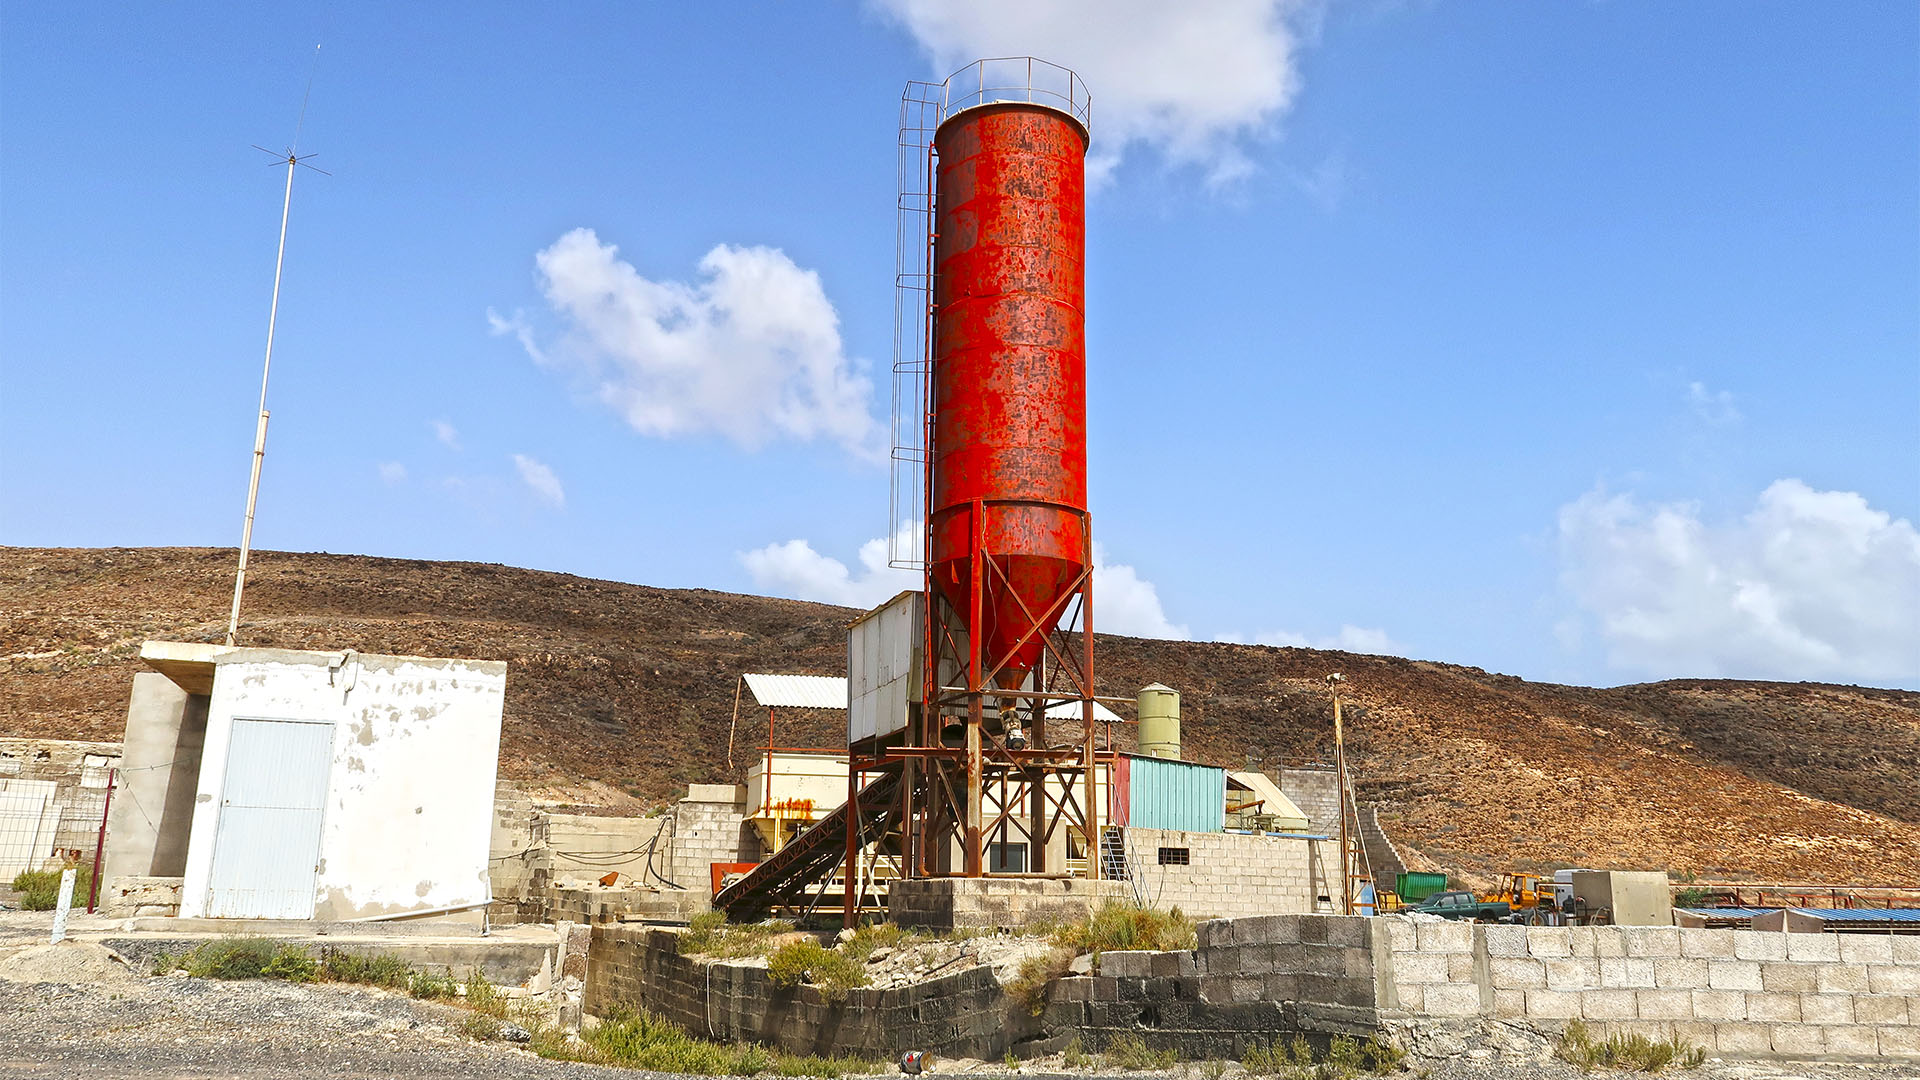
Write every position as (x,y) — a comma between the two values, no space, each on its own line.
(1462,905)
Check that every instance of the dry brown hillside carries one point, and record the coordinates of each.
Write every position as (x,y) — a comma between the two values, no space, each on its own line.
(619,694)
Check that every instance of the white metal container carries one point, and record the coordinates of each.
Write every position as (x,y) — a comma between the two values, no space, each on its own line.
(883,667)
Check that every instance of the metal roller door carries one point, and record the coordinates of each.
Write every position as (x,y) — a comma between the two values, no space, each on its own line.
(268,843)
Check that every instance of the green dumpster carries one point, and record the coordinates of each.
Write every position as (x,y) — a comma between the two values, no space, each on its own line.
(1414,888)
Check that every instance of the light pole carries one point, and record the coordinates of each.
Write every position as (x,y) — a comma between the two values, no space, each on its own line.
(1340,777)
(260,427)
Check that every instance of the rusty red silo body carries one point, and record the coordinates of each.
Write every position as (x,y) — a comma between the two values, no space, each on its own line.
(1009,372)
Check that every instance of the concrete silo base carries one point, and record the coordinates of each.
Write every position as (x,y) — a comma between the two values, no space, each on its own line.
(995,902)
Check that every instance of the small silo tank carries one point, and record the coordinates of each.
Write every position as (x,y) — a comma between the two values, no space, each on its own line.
(1159,711)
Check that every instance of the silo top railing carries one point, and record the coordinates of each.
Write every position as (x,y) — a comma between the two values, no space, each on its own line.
(1016,78)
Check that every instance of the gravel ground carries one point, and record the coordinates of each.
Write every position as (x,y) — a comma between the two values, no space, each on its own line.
(181,1027)
(190,1028)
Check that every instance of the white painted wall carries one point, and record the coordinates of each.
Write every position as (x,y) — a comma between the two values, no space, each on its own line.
(416,744)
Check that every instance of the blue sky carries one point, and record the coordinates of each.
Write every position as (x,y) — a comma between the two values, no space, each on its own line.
(1577,341)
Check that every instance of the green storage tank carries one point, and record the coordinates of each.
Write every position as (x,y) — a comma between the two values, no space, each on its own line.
(1159,712)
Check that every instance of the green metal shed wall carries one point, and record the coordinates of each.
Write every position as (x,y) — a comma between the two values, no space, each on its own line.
(1165,794)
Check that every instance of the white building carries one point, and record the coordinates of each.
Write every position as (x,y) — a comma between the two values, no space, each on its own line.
(282,784)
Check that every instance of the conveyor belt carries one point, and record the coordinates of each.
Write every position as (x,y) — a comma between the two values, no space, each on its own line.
(812,855)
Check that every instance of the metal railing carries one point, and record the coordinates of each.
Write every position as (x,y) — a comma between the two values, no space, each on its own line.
(1016,78)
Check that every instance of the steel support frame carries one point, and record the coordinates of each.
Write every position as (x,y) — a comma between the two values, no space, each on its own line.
(974,789)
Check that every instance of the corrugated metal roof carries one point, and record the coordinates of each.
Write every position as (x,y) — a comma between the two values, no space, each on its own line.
(1165,794)
(1726,912)
(1071,711)
(799,691)
(1862,915)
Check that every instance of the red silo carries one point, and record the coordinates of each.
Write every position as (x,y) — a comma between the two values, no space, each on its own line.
(1009,374)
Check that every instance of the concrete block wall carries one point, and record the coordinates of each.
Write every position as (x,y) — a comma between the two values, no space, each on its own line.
(710,826)
(1316,792)
(1228,875)
(1253,981)
(582,849)
(998,902)
(513,847)
(1735,992)
(547,866)
(1249,982)
(960,1015)
(593,905)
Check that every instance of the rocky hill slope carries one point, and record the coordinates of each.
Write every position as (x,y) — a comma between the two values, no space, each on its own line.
(618,695)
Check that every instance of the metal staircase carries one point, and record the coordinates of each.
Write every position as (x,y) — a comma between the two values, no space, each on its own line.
(811,857)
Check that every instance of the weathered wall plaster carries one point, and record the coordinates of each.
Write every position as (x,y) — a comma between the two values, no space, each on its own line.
(409,810)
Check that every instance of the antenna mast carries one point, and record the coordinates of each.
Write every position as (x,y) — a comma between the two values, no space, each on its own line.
(266,369)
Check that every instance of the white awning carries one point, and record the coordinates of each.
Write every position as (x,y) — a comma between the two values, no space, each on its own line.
(1070,710)
(798,691)
(1272,799)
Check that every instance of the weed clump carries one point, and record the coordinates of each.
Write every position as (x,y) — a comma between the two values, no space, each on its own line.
(835,972)
(1345,1059)
(873,937)
(641,1040)
(243,958)
(381,969)
(709,934)
(1635,1053)
(1029,984)
(1116,927)
(1129,1052)
(1111,927)
(428,986)
(39,889)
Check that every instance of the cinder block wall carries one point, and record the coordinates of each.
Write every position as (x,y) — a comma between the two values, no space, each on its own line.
(961,1015)
(1740,993)
(709,826)
(514,847)
(1249,983)
(1253,981)
(1228,875)
(545,866)
(1316,792)
(1010,903)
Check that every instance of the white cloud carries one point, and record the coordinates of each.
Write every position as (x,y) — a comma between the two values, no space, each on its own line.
(1808,585)
(1350,638)
(541,479)
(392,472)
(445,433)
(1715,407)
(1195,80)
(795,569)
(1124,603)
(750,351)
